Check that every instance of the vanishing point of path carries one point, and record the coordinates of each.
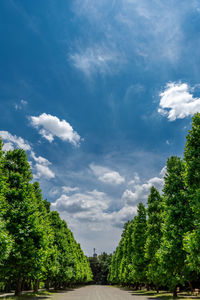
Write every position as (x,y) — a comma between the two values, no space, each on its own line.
(98,292)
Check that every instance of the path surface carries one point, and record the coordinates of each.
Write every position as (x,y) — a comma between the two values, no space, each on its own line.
(98,292)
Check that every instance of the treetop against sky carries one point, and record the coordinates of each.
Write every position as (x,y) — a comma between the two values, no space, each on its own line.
(99,94)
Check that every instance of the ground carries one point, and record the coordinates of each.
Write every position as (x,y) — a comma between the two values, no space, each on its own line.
(97,292)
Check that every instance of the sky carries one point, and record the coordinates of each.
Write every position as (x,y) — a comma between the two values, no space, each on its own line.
(100,94)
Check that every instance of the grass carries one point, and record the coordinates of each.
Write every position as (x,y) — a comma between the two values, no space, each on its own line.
(164,295)
(29,296)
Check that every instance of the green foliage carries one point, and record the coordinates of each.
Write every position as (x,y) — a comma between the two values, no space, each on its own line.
(154,234)
(139,262)
(128,265)
(35,244)
(100,267)
(192,181)
(177,221)
(165,251)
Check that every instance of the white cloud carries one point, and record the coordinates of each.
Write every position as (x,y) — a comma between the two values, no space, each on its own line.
(126,213)
(92,203)
(140,192)
(50,126)
(40,159)
(13,141)
(177,102)
(106,175)
(69,189)
(135,180)
(43,172)
(42,167)
(163,171)
(96,59)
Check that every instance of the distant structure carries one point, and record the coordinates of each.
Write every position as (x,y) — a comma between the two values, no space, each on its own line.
(94,255)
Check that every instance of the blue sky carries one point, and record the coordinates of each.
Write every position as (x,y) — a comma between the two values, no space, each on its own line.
(99,94)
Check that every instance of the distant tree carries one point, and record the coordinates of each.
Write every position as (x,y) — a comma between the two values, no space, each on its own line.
(154,234)
(126,261)
(72,265)
(139,262)
(116,267)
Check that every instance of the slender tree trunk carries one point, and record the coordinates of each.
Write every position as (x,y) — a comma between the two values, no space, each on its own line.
(191,287)
(18,289)
(175,292)
(29,285)
(8,286)
(36,286)
(47,284)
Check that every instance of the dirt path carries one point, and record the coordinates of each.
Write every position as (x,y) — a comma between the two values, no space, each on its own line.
(98,292)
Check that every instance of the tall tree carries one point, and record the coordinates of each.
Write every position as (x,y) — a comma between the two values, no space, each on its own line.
(154,234)
(177,221)
(21,216)
(5,238)
(192,180)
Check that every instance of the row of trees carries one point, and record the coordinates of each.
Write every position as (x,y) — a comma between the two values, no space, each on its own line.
(35,244)
(160,247)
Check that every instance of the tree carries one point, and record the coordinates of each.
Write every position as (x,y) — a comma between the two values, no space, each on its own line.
(154,234)
(192,181)
(139,262)
(5,239)
(21,217)
(114,272)
(177,221)
(100,267)
(72,265)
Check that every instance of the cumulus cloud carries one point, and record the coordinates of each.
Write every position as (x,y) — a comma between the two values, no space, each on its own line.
(126,213)
(106,175)
(91,203)
(140,191)
(135,180)
(50,126)
(177,102)
(42,167)
(13,141)
(43,172)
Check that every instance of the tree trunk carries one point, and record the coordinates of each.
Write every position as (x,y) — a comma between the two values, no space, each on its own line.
(175,292)
(191,287)
(36,286)
(47,284)
(8,287)
(18,289)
